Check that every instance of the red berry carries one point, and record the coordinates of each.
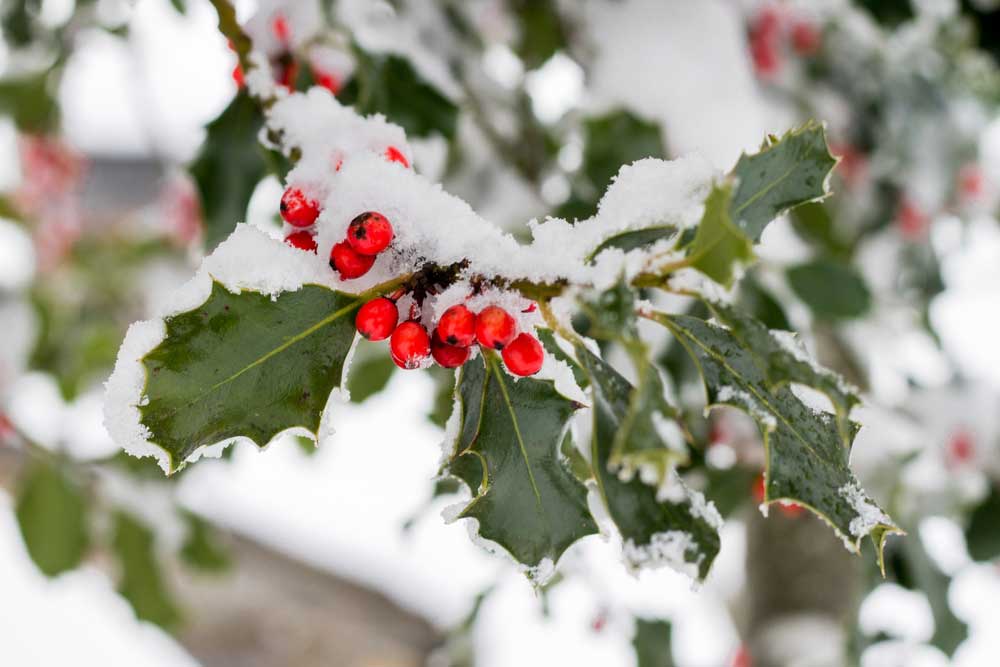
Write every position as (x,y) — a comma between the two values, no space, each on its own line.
(961,447)
(348,263)
(524,355)
(328,81)
(369,233)
(758,489)
(457,326)
(302,240)
(297,209)
(806,38)
(449,356)
(393,154)
(286,72)
(409,345)
(280,26)
(377,319)
(495,328)
(238,75)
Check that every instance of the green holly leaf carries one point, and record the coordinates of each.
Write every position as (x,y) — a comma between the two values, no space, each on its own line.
(807,452)
(649,438)
(52,514)
(652,643)
(388,84)
(371,371)
(677,528)
(202,549)
(832,290)
(229,167)
(786,172)
(541,31)
(983,534)
(246,365)
(719,246)
(528,500)
(635,239)
(141,581)
(30,102)
(787,361)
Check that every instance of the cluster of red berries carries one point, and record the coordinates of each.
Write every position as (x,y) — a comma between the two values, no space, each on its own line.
(369,234)
(284,67)
(450,344)
(773,25)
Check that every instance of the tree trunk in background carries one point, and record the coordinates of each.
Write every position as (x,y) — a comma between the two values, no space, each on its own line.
(271,610)
(801,592)
(803,586)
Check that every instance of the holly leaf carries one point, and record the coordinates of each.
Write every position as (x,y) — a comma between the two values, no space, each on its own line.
(832,290)
(371,371)
(982,535)
(635,239)
(806,451)
(787,361)
(786,172)
(388,84)
(719,245)
(671,525)
(202,549)
(228,168)
(649,438)
(141,581)
(246,365)
(52,514)
(528,501)
(652,643)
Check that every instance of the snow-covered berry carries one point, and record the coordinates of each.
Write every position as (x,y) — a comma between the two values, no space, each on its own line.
(376,320)
(409,345)
(495,327)
(457,326)
(297,209)
(448,356)
(524,355)
(348,263)
(370,233)
(393,154)
(303,240)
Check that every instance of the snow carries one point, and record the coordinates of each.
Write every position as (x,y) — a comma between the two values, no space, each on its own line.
(869,515)
(673,548)
(742,398)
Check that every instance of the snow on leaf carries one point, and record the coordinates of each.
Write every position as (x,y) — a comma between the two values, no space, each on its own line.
(807,452)
(526,499)
(679,528)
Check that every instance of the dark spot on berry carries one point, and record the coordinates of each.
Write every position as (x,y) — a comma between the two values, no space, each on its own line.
(283,207)
(360,232)
(451,340)
(498,346)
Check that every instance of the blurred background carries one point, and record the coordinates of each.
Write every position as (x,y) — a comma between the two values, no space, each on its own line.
(128,150)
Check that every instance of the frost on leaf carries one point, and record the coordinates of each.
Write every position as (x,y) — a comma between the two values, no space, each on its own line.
(673,525)
(807,452)
(507,450)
